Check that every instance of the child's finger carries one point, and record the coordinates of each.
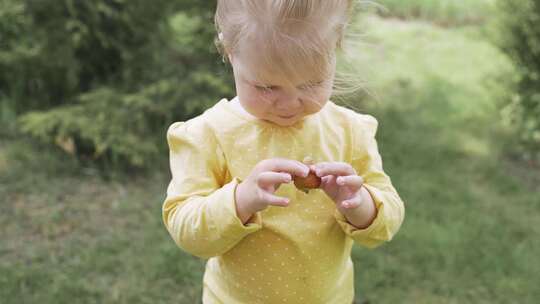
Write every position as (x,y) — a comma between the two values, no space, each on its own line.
(334,168)
(274,200)
(352,203)
(268,179)
(287,165)
(325,179)
(353,181)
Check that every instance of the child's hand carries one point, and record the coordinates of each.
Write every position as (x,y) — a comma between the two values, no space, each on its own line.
(255,193)
(341,183)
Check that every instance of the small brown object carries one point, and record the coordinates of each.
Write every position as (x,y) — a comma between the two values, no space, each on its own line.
(312,181)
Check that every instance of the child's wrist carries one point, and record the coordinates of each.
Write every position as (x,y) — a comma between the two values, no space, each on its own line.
(242,212)
(362,216)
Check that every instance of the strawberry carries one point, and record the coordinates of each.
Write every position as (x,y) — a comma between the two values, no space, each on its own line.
(312,181)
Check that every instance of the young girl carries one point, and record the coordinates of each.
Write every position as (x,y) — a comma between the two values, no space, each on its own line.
(231,199)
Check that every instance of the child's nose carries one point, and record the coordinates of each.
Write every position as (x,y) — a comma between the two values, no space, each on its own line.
(288,100)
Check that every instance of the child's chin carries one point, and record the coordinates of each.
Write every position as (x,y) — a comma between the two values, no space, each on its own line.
(285,123)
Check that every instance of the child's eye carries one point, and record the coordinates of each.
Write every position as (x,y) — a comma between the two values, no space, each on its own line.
(270,88)
(265,89)
(310,86)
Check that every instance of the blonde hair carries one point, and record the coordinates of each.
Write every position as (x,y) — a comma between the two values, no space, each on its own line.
(293,39)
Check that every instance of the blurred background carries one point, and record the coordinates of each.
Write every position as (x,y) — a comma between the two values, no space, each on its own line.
(88,89)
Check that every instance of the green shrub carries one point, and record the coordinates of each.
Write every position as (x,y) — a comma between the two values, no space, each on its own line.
(104,79)
(520,40)
(444,12)
(123,129)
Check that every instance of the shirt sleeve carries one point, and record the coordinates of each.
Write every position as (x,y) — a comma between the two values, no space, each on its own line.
(199,211)
(390,208)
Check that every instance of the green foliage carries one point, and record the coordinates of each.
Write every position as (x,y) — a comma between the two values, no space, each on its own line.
(107,76)
(444,12)
(120,127)
(468,234)
(520,40)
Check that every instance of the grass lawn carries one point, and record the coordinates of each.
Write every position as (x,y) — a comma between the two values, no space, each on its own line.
(472,212)
(442,12)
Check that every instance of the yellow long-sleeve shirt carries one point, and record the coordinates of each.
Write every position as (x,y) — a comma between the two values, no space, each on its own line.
(295,254)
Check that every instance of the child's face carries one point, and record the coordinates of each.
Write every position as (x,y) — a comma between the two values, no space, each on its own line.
(275,101)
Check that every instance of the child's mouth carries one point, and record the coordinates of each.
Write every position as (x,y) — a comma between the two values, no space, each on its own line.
(287,117)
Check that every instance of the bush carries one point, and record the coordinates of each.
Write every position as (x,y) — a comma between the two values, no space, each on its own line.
(520,40)
(104,79)
(443,12)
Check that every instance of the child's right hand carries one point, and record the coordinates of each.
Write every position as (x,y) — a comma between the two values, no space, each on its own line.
(255,193)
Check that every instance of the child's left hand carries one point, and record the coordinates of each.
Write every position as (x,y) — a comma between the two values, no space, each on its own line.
(341,183)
